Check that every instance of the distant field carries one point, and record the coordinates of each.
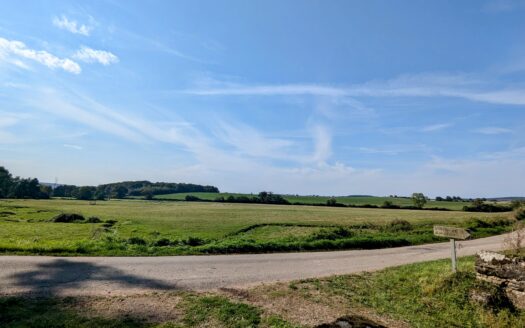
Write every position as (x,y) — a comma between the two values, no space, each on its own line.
(157,228)
(347,200)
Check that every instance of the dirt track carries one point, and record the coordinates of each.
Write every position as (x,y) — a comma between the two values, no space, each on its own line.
(133,275)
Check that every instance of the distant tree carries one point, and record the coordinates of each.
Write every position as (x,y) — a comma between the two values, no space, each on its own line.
(478,202)
(24,188)
(101,193)
(439,199)
(419,199)
(264,195)
(387,204)
(86,193)
(45,191)
(332,201)
(6,180)
(119,192)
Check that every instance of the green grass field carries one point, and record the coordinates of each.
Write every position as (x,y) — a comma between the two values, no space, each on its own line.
(347,200)
(171,228)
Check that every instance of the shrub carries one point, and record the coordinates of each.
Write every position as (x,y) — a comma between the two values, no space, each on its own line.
(109,223)
(194,241)
(332,234)
(136,241)
(476,223)
(399,225)
(68,218)
(517,203)
(520,214)
(162,242)
(486,207)
(191,198)
(389,204)
(93,219)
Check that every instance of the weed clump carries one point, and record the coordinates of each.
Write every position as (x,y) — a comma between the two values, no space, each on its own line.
(399,225)
(332,234)
(520,214)
(136,241)
(163,242)
(93,219)
(68,218)
(109,223)
(194,241)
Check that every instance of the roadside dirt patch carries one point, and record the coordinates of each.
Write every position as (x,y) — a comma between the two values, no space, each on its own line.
(307,306)
(352,321)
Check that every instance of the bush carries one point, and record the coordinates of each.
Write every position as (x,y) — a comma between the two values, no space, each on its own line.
(332,234)
(109,223)
(68,218)
(162,242)
(520,214)
(476,223)
(517,203)
(93,219)
(194,241)
(486,207)
(399,225)
(389,204)
(191,198)
(136,241)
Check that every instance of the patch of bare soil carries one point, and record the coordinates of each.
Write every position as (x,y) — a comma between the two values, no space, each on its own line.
(307,305)
(150,308)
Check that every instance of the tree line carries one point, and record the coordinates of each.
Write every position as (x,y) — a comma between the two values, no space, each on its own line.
(16,187)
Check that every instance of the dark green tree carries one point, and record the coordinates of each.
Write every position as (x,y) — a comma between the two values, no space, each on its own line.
(86,193)
(6,180)
(419,199)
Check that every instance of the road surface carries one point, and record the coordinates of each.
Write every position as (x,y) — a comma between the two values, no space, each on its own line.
(74,276)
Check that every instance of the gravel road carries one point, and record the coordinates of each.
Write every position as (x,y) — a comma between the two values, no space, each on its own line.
(74,276)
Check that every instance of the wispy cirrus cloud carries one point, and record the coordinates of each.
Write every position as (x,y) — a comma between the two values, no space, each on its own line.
(492,130)
(89,55)
(418,85)
(18,49)
(71,146)
(72,26)
(436,127)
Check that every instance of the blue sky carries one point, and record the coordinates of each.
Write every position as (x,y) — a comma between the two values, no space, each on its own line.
(307,97)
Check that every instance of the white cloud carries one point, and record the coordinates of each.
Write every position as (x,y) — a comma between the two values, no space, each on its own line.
(72,26)
(271,90)
(436,127)
(76,147)
(322,143)
(91,55)
(492,130)
(418,85)
(249,141)
(17,48)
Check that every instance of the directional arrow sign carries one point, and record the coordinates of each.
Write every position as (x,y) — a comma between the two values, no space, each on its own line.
(451,232)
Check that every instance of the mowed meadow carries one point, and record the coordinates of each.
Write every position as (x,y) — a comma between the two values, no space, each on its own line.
(139,227)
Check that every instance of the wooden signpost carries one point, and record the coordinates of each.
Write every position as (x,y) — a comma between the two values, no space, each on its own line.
(453,233)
